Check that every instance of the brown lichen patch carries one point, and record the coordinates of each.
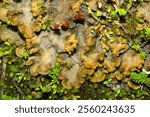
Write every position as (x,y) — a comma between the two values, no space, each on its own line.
(15,16)
(43,69)
(76,5)
(133,86)
(39,68)
(99,76)
(20,51)
(59,13)
(27,30)
(33,50)
(118,47)
(7,1)
(90,60)
(104,45)
(131,62)
(101,56)
(146,65)
(93,4)
(117,75)
(11,36)
(33,69)
(84,72)
(32,41)
(38,23)
(110,65)
(117,61)
(22,17)
(71,77)
(3,14)
(35,7)
(30,61)
(70,43)
(90,42)
(144,11)
(42,63)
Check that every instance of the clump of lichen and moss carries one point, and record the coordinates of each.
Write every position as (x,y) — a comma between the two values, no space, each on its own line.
(86,50)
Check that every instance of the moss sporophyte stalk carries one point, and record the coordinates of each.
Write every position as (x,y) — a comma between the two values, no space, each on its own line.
(75,49)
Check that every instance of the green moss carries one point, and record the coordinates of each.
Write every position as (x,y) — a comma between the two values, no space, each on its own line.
(108,81)
(28,97)
(140,78)
(44,27)
(47,25)
(113,14)
(6,97)
(25,54)
(98,13)
(121,12)
(143,55)
(8,22)
(147,32)
(136,47)
(139,20)
(1,23)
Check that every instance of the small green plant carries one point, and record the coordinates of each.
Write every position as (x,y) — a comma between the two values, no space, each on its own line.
(1,23)
(46,88)
(28,97)
(113,14)
(95,86)
(7,50)
(122,12)
(98,13)
(25,54)
(7,43)
(140,0)
(112,39)
(40,3)
(47,25)
(140,78)
(130,4)
(44,27)
(6,97)
(147,32)
(138,19)
(55,80)
(136,47)
(88,78)
(143,55)
(92,14)
(108,81)
(8,22)
(72,97)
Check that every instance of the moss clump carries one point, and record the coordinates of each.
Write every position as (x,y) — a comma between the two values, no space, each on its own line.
(140,78)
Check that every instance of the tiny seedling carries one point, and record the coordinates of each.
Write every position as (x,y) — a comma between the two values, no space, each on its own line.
(8,22)
(122,12)
(136,47)
(143,55)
